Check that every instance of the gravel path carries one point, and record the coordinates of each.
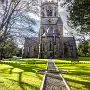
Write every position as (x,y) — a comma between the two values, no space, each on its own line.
(53,80)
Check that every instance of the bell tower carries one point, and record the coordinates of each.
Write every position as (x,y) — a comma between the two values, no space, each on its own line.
(50,23)
(49,14)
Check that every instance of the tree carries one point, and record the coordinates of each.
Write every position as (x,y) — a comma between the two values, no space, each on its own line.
(19,52)
(9,49)
(79,15)
(9,11)
(84,48)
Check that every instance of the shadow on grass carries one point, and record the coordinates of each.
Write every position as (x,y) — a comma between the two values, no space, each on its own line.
(10,72)
(26,67)
(79,73)
(84,58)
(80,67)
(86,84)
(23,84)
(1,82)
(31,61)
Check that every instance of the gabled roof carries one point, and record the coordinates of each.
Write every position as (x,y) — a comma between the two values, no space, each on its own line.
(31,41)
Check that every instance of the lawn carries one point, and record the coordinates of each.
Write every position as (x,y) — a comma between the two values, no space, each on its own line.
(21,74)
(84,59)
(80,59)
(78,76)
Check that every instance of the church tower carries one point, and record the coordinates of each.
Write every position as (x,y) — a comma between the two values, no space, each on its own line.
(51,42)
(51,31)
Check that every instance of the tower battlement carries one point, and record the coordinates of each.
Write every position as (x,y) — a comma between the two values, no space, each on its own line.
(49,1)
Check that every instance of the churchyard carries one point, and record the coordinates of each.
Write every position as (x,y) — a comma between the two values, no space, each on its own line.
(78,76)
(44,29)
(21,74)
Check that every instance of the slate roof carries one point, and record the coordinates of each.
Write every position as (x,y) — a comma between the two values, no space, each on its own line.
(31,41)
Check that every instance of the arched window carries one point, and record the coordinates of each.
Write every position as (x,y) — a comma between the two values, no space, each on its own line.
(50,12)
(55,11)
(34,49)
(43,47)
(50,47)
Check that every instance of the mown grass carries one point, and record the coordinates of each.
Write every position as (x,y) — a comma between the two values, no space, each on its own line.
(84,58)
(21,76)
(27,61)
(80,59)
(78,76)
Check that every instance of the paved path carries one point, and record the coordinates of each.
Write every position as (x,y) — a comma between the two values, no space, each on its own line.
(53,81)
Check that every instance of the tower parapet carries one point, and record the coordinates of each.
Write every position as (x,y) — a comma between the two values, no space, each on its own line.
(49,8)
(49,1)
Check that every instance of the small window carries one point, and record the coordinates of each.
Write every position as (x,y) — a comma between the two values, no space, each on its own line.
(55,11)
(49,12)
(34,49)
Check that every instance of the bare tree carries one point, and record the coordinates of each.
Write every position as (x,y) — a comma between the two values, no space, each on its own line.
(14,15)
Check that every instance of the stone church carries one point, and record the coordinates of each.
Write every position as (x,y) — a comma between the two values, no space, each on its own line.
(50,43)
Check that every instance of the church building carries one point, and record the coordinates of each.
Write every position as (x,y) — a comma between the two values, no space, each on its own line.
(50,43)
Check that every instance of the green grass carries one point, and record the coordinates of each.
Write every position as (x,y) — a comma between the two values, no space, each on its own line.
(78,76)
(84,59)
(81,60)
(62,61)
(21,75)
(27,61)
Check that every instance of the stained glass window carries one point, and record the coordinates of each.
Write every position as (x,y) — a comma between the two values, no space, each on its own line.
(50,46)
